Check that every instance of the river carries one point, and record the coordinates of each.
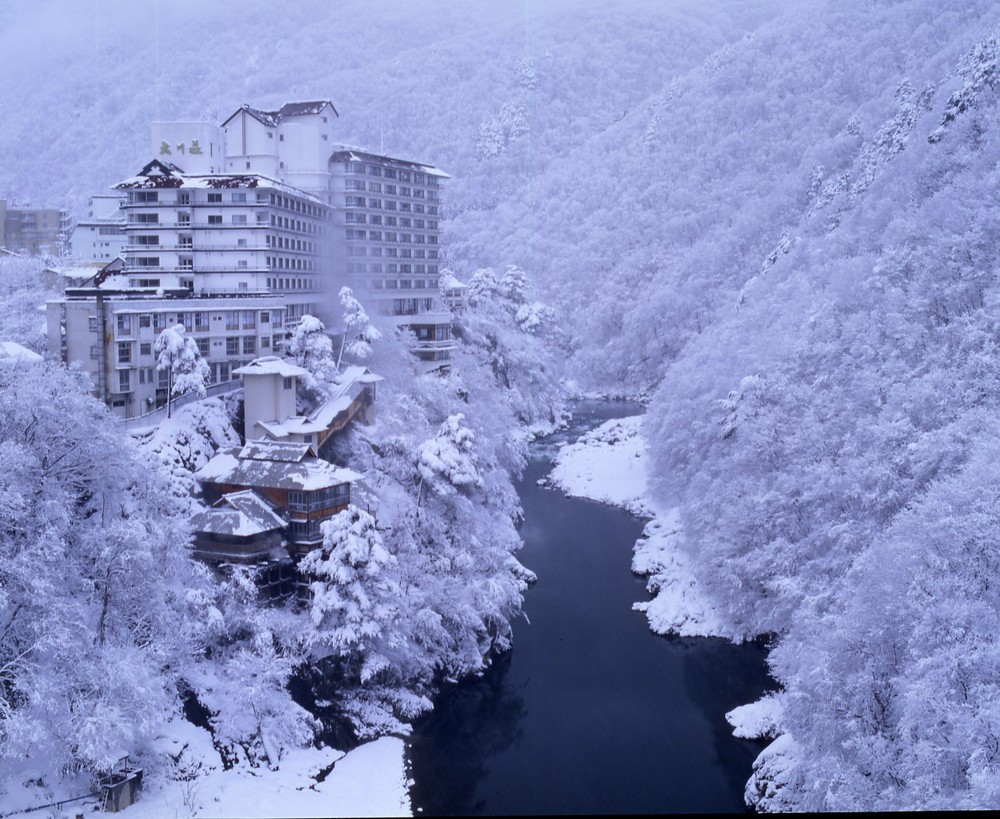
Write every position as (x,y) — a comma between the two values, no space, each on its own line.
(590,712)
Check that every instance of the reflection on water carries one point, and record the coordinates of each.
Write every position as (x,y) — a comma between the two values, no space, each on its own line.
(591,712)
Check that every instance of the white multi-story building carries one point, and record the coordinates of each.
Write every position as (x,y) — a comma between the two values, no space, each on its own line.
(227,233)
(236,258)
(110,333)
(386,243)
(101,236)
(387,215)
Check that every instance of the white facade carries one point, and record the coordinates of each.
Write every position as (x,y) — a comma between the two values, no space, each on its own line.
(292,144)
(269,393)
(194,147)
(387,222)
(101,236)
(227,233)
(111,333)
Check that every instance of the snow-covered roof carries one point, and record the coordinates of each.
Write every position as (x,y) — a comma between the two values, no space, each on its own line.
(352,154)
(309,474)
(290,109)
(447,281)
(158,174)
(276,451)
(342,394)
(12,354)
(271,365)
(242,514)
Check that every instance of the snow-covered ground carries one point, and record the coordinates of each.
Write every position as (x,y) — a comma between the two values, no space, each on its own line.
(609,464)
(369,781)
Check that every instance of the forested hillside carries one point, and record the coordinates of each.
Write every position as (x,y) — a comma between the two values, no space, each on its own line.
(779,219)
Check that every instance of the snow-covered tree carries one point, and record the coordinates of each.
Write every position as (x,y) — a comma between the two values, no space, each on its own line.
(98,612)
(354,594)
(178,355)
(446,462)
(313,350)
(359,332)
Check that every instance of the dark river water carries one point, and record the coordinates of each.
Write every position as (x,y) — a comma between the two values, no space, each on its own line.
(591,712)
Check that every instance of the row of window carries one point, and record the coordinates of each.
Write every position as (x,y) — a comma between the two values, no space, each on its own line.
(339,495)
(353,218)
(281,284)
(393,267)
(234,345)
(374,203)
(417,177)
(199,321)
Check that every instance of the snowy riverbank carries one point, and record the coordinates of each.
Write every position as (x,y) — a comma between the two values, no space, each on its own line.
(609,464)
(369,781)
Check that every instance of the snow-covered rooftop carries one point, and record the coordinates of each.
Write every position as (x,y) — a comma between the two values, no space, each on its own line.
(276,451)
(309,474)
(352,154)
(159,174)
(242,514)
(271,365)
(290,109)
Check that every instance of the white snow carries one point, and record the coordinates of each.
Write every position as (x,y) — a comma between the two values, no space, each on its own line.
(757,720)
(369,781)
(608,464)
(12,353)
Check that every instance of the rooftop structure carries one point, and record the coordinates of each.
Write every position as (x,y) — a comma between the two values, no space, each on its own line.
(269,385)
(101,236)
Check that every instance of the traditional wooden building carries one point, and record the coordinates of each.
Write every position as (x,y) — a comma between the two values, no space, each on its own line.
(304,489)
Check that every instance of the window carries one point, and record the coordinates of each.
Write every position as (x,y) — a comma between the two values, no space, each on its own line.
(215,219)
(147,240)
(146,348)
(249,345)
(124,321)
(249,319)
(239,197)
(144,197)
(215,198)
(265,317)
(232,345)
(239,219)
(184,198)
(145,218)
(241,242)
(124,380)
(202,347)
(288,383)
(95,351)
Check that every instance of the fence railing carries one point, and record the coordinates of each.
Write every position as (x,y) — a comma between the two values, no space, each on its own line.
(153,418)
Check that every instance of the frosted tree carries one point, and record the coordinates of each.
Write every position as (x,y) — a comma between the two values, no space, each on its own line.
(97,613)
(178,355)
(313,350)
(447,462)
(359,332)
(354,593)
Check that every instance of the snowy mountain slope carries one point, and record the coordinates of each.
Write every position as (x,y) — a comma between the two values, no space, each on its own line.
(419,79)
